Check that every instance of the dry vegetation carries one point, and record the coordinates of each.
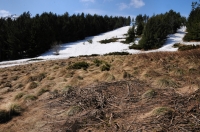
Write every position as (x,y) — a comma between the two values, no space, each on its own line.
(154,92)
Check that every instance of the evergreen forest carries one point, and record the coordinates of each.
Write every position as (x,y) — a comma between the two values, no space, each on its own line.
(29,36)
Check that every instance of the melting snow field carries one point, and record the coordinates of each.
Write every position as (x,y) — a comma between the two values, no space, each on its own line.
(83,47)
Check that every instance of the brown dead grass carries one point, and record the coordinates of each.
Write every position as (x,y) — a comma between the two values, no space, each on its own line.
(171,75)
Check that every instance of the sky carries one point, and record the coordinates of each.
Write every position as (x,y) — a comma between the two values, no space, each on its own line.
(101,7)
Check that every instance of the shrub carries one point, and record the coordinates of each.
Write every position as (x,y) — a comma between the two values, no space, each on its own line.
(188,47)
(135,46)
(105,67)
(105,41)
(117,53)
(79,65)
(97,62)
(90,41)
(33,85)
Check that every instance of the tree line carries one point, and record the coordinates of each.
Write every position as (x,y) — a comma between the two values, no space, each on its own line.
(29,36)
(157,28)
(193,23)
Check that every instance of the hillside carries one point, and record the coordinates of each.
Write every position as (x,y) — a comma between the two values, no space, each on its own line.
(142,92)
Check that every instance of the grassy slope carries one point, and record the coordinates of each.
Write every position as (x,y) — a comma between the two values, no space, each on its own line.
(150,92)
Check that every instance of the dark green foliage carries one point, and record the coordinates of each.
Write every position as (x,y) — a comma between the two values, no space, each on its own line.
(135,46)
(140,29)
(31,36)
(193,24)
(118,53)
(105,67)
(188,47)
(79,65)
(87,55)
(131,35)
(105,41)
(157,29)
(97,62)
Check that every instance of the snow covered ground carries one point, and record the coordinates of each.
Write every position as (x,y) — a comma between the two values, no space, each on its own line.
(83,47)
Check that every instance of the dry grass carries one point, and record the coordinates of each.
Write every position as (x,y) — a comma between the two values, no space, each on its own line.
(162,71)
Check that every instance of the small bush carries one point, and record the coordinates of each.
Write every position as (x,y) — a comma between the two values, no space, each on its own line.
(35,60)
(79,65)
(176,45)
(105,41)
(126,75)
(149,94)
(33,85)
(19,96)
(188,47)
(89,55)
(97,62)
(90,41)
(135,46)
(105,67)
(117,53)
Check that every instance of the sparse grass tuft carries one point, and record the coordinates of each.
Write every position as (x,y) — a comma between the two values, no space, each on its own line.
(42,91)
(15,109)
(162,111)
(19,96)
(30,97)
(149,94)
(73,110)
(166,82)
